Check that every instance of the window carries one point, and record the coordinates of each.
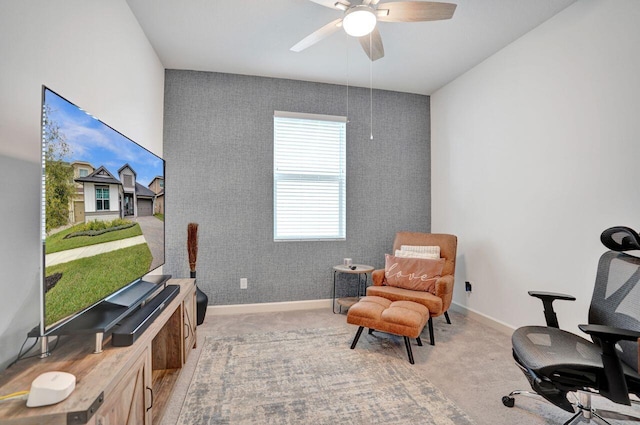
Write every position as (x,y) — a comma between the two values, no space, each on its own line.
(161,183)
(83,172)
(309,176)
(102,198)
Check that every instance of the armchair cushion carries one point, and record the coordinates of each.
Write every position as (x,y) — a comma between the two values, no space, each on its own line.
(417,274)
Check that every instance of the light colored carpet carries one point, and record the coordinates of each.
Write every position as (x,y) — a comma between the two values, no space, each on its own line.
(306,376)
(471,364)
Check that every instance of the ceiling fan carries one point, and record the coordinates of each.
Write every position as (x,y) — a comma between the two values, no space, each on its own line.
(360,21)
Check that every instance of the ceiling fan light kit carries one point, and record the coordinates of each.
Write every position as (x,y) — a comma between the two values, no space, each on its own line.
(359,21)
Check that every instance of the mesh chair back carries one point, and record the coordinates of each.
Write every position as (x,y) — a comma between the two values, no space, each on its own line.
(616,299)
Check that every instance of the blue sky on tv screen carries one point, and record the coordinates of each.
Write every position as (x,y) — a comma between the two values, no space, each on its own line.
(92,141)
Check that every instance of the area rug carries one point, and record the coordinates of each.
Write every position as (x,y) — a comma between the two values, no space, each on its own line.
(310,376)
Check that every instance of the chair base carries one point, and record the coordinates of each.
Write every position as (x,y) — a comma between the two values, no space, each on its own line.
(584,411)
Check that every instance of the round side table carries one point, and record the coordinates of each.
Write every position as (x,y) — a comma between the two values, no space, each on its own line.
(361,270)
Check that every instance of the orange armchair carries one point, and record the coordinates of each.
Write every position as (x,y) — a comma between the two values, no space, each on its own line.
(437,304)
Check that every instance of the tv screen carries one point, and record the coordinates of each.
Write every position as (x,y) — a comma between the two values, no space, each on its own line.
(102,211)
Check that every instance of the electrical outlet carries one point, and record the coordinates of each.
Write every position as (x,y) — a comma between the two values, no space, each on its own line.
(467,286)
(243,283)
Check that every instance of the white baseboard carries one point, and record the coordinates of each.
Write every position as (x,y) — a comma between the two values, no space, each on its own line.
(483,318)
(218,310)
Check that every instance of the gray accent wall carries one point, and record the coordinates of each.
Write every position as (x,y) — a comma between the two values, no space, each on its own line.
(218,147)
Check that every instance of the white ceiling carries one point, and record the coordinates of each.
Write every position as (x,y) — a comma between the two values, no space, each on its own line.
(253,37)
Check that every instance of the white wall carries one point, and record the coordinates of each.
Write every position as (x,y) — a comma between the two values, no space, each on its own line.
(535,152)
(95,54)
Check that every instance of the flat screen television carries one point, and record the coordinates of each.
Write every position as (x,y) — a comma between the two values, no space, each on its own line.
(102,217)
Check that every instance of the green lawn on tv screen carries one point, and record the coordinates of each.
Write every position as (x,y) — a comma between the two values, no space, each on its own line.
(57,243)
(87,280)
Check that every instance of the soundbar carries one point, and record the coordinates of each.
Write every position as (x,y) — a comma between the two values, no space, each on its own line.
(133,326)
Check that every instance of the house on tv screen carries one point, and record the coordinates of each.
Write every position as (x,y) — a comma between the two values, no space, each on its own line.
(101,196)
(157,186)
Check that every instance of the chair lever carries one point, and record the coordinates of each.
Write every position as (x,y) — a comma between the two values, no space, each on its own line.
(533,375)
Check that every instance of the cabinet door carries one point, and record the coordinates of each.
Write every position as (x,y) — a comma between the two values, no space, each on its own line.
(130,401)
(189,321)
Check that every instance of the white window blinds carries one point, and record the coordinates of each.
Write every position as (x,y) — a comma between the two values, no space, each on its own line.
(309,176)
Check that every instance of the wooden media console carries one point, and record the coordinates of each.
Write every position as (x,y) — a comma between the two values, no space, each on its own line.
(121,385)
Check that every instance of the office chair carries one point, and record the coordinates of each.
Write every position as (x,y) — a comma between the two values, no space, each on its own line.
(557,362)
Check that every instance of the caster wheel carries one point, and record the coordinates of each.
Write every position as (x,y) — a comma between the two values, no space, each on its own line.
(508,401)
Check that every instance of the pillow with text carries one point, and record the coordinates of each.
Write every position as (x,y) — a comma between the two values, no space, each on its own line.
(418,274)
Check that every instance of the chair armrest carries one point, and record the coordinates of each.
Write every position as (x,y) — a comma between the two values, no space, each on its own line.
(377,277)
(444,291)
(551,295)
(444,287)
(616,387)
(609,333)
(547,299)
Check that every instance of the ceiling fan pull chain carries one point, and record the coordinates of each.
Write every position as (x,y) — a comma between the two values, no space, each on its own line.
(346,39)
(371,87)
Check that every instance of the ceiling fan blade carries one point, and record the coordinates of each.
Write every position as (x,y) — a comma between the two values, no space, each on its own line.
(372,45)
(415,11)
(370,2)
(318,35)
(333,4)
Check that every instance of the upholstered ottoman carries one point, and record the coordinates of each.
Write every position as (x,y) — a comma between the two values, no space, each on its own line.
(404,318)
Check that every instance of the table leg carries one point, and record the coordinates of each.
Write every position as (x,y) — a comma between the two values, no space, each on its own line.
(333,305)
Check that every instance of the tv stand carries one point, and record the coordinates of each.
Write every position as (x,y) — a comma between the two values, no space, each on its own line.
(121,385)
